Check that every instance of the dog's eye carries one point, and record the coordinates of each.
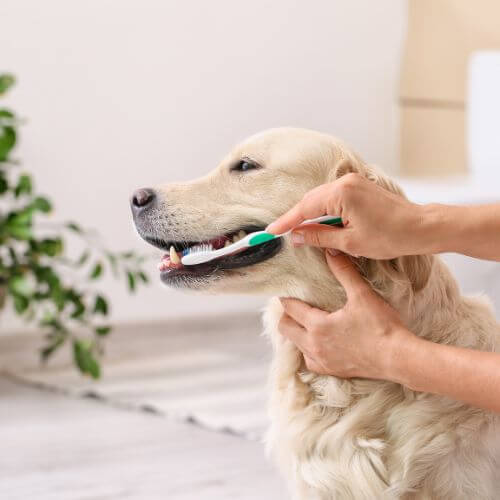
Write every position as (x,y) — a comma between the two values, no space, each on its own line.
(244,165)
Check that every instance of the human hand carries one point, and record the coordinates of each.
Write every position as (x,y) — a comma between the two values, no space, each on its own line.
(360,340)
(378,224)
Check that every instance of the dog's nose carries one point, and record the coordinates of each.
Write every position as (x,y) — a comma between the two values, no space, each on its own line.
(142,198)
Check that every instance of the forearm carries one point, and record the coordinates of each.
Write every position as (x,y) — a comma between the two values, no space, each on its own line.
(462,374)
(469,230)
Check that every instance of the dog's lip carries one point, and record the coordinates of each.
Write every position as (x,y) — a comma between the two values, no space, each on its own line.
(180,245)
(245,258)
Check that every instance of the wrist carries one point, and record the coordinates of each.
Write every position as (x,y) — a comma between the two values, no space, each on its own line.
(440,227)
(418,229)
(402,349)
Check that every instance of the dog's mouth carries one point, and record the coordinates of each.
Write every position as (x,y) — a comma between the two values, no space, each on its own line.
(172,268)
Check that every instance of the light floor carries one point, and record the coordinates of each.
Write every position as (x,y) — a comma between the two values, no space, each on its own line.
(65,438)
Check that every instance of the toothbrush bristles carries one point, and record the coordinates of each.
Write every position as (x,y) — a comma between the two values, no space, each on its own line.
(205,247)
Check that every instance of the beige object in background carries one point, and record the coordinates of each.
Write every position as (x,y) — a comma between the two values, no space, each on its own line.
(441,36)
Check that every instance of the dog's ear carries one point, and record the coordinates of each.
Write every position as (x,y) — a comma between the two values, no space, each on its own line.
(350,163)
(403,276)
(411,272)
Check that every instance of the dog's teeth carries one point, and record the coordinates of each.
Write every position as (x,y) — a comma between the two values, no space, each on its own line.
(236,238)
(174,258)
(241,234)
(228,242)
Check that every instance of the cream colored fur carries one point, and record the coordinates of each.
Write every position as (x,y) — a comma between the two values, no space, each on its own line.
(344,439)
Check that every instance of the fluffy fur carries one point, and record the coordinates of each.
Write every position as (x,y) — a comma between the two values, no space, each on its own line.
(343,439)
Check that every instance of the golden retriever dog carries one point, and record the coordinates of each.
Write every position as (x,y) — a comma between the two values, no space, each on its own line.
(333,439)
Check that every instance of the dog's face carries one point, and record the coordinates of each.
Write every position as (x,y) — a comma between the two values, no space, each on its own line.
(257,182)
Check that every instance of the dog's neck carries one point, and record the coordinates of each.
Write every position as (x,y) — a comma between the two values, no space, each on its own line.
(315,285)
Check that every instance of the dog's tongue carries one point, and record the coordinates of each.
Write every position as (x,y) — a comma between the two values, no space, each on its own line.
(218,242)
(166,263)
(171,260)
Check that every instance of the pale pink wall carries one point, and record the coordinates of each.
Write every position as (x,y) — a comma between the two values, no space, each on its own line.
(125,93)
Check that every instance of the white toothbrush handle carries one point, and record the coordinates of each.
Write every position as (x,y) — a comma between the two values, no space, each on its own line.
(202,257)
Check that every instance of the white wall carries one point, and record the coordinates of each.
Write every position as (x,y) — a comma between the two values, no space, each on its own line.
(127,93)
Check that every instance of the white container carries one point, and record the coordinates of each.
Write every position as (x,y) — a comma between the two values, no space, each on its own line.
(482,184)
(483,117)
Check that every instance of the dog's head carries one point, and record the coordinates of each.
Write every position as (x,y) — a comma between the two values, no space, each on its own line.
(257,182)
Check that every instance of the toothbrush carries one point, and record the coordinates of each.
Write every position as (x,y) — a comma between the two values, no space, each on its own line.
(204,253)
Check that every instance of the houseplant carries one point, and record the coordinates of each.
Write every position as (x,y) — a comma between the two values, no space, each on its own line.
(38,280)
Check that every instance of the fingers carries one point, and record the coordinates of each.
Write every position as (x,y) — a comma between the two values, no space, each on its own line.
(347,274)
(290,329)
(288,220)
(314,204)
(318,235)
(313,366)
(304,314)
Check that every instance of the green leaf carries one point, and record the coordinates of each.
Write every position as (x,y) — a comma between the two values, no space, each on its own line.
(102,330)
(7,142)
(6,81)
(42,204)
(131,281)
(79,306)
(24,186)
(49,320)
(84,358)
(51,247)
(20,232)
(58,296)
(143,277)
(96,271)
(4,184)
(83,258)
(101,305)
(5,113)
(72,226)
(48,350)
(13,256)
(93,368)
(20,285)
(113,262)
(20,303)
(21,218)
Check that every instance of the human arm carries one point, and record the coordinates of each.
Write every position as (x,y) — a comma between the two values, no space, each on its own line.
(379,224)
(340,344)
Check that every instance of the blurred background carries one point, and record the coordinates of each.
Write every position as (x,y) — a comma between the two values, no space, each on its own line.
(116,95)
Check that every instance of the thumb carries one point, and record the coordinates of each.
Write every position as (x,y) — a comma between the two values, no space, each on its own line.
(346,273)
(318,235)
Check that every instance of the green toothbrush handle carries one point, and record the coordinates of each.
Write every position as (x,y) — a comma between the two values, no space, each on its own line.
(262,236)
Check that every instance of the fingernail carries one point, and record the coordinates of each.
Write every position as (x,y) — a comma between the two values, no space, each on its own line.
(269,229)
(297,238)
(333,252)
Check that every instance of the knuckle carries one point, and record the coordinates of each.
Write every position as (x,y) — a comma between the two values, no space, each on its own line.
(309,364)
(313,237)
(282,324)
(349,183)
(351,179)
(317,349)
(307,200)
(315,325)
